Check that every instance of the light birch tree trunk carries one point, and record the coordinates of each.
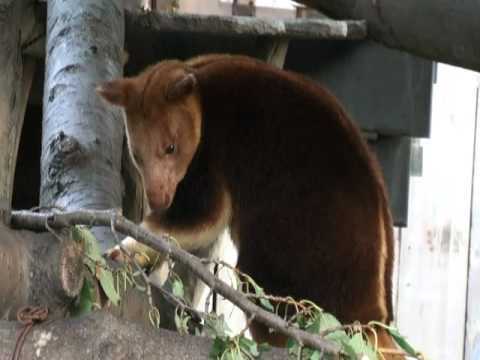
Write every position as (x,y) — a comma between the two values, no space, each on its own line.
(82,137)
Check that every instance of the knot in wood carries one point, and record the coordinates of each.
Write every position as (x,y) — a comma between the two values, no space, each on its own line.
(66,144)
(66,150)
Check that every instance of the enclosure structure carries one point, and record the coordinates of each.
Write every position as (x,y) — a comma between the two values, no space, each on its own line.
(388,92)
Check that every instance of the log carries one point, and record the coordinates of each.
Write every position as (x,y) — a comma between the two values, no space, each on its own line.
(38,270)
(15,81)
(82,136)
(440,30)
(101,335)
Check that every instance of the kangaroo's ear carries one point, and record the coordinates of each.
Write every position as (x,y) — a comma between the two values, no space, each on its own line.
(117,92)
(181,87)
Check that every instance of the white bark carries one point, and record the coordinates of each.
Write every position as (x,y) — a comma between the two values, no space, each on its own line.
(82,137)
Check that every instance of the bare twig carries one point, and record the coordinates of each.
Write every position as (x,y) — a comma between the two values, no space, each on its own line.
(37,221)
(301,306)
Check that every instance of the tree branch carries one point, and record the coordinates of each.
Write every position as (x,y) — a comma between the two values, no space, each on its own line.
(38,221)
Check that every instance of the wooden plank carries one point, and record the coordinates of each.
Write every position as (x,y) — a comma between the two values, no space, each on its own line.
(434,248)
(15,83)
(277,53)
(472,330)
(397,234)
(250,26)
(153,24)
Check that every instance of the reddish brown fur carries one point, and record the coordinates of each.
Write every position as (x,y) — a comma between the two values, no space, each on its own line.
(309,210)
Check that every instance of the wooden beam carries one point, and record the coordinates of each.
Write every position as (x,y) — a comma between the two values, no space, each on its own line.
(247,26)
(440,30)
(15,82)
(154,23)
(472,326)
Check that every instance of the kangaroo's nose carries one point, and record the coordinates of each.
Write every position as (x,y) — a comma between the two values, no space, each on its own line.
(158,201)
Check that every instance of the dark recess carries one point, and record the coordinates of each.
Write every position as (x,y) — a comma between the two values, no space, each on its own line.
(26,184)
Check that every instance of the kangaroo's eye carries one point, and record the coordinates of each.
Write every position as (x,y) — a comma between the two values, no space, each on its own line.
(170,149)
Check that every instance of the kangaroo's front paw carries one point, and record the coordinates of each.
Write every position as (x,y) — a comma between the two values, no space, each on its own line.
(143,255)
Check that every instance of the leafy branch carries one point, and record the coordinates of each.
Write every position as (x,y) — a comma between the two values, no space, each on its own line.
(41,221)
(313,334)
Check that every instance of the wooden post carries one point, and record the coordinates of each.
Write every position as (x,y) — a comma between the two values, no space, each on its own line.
(472,326)
(15,81)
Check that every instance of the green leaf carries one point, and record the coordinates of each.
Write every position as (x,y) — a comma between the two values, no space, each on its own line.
(233,355)
(350,351)
(89,243)
(178,321)
(293,347)
(357,343)
(95,262)
(316,355)
(85,300)
(218,348)
(328,321)
(401,341)
(360,348)
(106,281)
(319,322)
(267,304)
(338,336)
(177,288)
(314,325)
(370,352)
(261,297)
(249,346)
(181,322)
(216,326)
